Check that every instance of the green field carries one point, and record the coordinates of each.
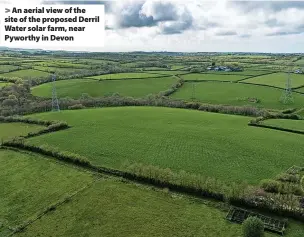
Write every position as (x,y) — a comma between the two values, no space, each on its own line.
(60,70)
(10,130)
(127,75)
(30,183)
(177,67)
(211,77)
(286,123)
(3,84)
(7,68)
(135,88)
(278,80)
(235,94)
(26,74)
(301,89)
(187,140)
(169,72)
(244,73)
(135,211)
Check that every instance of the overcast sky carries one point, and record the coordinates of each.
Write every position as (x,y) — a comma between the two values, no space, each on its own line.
(204,26)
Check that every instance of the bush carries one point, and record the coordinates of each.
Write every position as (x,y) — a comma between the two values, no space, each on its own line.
(76,106)
(253,227)
(271,186)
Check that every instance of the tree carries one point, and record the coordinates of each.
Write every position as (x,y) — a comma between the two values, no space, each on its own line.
(253,227)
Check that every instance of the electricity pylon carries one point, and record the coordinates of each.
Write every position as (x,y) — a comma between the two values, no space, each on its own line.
(287,97)
(55,103)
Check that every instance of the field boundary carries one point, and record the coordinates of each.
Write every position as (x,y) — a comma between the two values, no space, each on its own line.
(276,128)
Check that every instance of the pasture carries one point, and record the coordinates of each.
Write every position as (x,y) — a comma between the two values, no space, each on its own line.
(286,123)
(7,68)
(278,80)
(26,74)
(128,75)
(301,89)
(11,130)
(177,72)
(244,73)
(238,94)
(211,77)
(216,145)
(31,183)
(75,88)
(134,211)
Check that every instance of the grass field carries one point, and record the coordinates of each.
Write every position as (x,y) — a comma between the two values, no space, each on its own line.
(10,130)
(170,72)
(211,77)
(134,88)
(60,70)
(278,80)
(217,145)
(286,123)
(3,84)
(133,211)
(235,94)
(245,72)
(30,183)
(7,68)
(127,75)
(128,210)
(26,74)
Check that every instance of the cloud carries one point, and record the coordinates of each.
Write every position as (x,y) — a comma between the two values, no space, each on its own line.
(167,16)
(226,33)
(282,33)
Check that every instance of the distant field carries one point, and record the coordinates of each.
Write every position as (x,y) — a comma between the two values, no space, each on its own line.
(26,74)
(10,130)
(216,145)
(235,94)
(7,68)
(211,77)
(63,64)
(127,75)
(135,88)
(2,84)
(245,72)
(120,209)
(170,72)
(177,67)
(286,123)
(278,80)
(300,62)
(60,70)
(30,183)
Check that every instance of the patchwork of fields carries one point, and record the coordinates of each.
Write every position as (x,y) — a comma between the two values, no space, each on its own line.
(216,145)
(70,200)
(135,88)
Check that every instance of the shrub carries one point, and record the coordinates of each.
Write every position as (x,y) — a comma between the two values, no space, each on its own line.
(253,227)
(271,186)
(76,106)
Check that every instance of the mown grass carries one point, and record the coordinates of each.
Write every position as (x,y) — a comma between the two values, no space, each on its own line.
(134,88)
(127,75)
(235,94)
(11,130)
(286,123)
(278,80)
(7,68)
(26,74)
(30,183)
(113,209)
(177,67)
(216,145)
(3,84)
(211,77)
